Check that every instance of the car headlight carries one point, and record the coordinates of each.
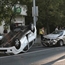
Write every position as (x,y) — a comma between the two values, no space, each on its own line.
(57,38)
(53,40)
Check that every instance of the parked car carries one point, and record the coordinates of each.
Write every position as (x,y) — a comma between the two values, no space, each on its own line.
(55,38)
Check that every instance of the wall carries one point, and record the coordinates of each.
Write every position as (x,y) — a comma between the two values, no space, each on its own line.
(20,19)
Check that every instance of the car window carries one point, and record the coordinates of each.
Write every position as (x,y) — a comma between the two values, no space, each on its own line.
(57,32)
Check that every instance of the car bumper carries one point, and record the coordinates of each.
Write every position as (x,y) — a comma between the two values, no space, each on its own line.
(49,43)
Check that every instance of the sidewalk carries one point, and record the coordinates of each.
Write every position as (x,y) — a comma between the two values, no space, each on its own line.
(38,41)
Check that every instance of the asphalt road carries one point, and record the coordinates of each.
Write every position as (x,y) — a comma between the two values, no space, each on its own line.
(47,56)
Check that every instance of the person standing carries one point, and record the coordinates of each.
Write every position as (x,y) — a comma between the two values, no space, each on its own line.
(41,32)
(56,28)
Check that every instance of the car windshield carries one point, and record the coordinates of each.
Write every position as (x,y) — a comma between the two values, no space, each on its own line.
(57,32)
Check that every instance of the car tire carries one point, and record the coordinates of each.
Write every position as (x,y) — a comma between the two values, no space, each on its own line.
(60,43)
(17,43)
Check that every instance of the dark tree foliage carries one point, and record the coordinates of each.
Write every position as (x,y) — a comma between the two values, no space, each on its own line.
(51,12)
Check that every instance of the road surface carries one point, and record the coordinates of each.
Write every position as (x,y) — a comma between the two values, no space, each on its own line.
(47,56)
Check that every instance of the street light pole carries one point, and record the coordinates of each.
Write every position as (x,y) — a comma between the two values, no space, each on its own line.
(34,16)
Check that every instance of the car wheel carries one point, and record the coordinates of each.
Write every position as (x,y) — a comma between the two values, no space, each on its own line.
(60,43)
(17,43)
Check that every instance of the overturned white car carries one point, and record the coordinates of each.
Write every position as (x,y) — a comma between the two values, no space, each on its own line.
(19,40)
(55,38)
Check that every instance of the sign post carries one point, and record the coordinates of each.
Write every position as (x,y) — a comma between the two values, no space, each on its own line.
(34,12)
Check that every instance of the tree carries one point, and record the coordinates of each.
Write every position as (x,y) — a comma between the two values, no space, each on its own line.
(6,9)
(50,12)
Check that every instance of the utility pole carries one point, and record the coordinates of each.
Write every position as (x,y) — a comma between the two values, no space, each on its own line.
(34,16)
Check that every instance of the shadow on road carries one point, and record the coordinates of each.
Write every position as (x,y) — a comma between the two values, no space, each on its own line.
(51,63)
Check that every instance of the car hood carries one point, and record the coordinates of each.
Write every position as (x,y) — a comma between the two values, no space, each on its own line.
(51,36)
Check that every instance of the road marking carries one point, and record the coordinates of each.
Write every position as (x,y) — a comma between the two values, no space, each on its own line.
(60,62)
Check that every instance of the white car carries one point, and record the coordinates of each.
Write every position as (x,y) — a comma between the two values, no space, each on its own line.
(55,38)
(19,40)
